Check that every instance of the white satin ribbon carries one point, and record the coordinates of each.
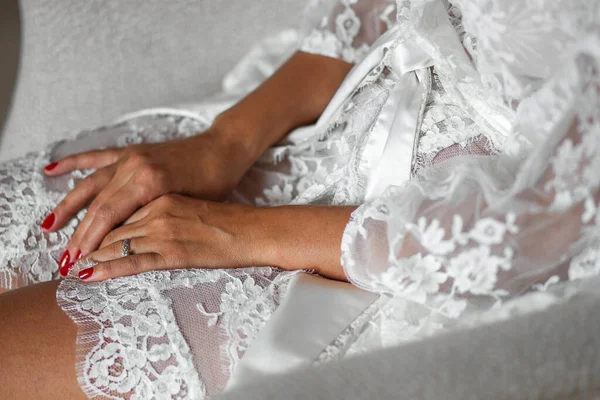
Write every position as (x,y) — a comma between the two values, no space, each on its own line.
(357,74)
(397,123)
(438,37)
(314,312)
(400,120)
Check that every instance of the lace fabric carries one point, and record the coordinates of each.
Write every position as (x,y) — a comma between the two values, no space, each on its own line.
(473,232)
(506,145)
(346,29)
(30,255)
(168,334)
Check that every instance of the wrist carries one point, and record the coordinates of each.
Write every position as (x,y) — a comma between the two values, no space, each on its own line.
(301,237)
(241,135)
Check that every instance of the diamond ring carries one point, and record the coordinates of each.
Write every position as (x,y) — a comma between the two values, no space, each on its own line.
(126,247)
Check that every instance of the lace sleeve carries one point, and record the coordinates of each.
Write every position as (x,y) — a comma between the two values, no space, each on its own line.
(349,27)
(472,228)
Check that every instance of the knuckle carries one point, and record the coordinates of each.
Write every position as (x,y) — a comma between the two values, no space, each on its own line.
(133,264)
(145,173)
(151,176)
(110,269)
(173,254)
(89,184)
(116,249)
(113,154)
(105,213)
(92,208)
(167,202)
(163,226)
(135,159)
(109,238)
(160,222)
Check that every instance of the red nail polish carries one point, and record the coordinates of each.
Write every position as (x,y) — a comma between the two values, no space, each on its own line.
(64,259)
(86,273)
(51,166)
(49,221)
(64,271)
(78,255)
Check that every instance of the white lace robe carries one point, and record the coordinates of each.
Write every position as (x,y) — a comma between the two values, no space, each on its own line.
(461,134)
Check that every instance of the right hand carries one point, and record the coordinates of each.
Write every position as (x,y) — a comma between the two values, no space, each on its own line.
(206,166)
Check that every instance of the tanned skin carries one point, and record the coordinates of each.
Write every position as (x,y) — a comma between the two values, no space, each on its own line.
(37,340)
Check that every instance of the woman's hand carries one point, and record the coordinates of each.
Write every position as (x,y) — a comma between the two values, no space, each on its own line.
(180,232)
(208,166)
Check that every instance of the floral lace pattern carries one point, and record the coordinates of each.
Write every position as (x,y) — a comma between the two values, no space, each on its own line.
(349,30)
(476,226)
(471,232)
(133,343)
(30,255)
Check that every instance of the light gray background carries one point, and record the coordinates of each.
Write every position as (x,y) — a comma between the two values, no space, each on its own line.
(85,63)
(9,53)
(557,349)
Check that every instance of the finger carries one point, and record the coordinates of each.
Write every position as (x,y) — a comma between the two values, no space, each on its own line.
(116,184)
(125,266)
(137,245)
(137,229)
(113,212)
(139,214)
(80,196)
(92,159)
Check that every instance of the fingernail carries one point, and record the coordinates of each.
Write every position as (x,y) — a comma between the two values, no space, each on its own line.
(64,259)
(64,271)
(51,166)
(78,255)
(86,273)
(49,221)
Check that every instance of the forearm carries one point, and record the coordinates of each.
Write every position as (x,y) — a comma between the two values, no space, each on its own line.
(294,96)
(302,237)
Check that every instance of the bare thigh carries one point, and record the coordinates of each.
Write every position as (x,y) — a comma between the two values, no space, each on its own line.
(37,346)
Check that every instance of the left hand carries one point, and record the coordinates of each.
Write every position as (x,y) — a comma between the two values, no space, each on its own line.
(174,231)
(179,232)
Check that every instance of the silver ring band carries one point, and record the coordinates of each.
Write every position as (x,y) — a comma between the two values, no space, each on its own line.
(126,247)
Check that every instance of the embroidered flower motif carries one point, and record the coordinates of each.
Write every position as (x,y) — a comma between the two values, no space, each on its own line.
(585,265)
(475,270)
(347,25)
(276,196)
(488,231)
(414,278)
(432,237)
(111,368)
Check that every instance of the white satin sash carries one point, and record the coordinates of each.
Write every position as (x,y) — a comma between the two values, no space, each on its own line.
(314,312)
(387,156)
(399,123)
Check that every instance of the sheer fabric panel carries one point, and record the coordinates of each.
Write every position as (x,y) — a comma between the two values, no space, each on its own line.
(345,29)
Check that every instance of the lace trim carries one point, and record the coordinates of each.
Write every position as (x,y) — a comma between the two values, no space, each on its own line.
(130,344)
(340,346)
(342,34)
(29,254)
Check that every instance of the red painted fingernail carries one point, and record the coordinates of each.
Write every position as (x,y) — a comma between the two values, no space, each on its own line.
(86,273)
(64,271)
(49,221)
(64,259)
(78,255)
(51,166)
